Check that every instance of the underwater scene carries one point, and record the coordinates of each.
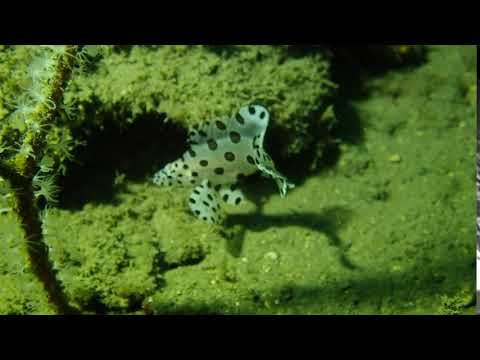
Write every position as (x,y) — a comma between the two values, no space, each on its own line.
(238,179)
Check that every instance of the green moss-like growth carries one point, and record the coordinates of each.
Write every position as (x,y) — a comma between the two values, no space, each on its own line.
(192,84)
(112,256)
(461,303)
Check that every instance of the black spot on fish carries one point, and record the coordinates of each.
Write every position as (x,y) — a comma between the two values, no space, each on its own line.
(209,184)
(202,133)
(213,208)
(251,110)
(205,218)
(192,201)
(197,212)
(192,181)
(179,181)
(219,171)
(196,192)
(220,125)
(192,153)
(203,163)
(212,144)
(233,187)
(210,197)
(239,119)
(206,204)
(237,200)
(262,114)
(194,174)
(235,137)
(185,166)
(180,175)
(217,187)
(229,156)
(225,197)
(250,160)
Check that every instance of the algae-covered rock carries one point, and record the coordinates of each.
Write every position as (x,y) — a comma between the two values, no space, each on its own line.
(111,256)
(192,84)
(105,254)
(186,85)
(178,244)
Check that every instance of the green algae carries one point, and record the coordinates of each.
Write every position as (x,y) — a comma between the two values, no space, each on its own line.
(194,83)
(386,230)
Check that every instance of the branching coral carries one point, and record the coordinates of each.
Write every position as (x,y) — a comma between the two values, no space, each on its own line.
(62,144)
(5,194)
(41,98)
(24,108)
(46,187)
(25,150)
(25,168)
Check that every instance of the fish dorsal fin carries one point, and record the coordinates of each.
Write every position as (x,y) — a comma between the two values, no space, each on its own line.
(204,203)
(249,121)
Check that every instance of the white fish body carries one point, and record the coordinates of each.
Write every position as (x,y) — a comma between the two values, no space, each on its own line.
(221,152)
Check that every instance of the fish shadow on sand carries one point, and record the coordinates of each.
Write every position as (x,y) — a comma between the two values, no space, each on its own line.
(328,222)
(368,291)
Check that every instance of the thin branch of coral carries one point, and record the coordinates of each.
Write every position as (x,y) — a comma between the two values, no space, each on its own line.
(49,79)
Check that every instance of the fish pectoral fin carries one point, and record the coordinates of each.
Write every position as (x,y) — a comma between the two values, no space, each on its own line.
(231,195)
(283,185)
(203,202)
(281,181)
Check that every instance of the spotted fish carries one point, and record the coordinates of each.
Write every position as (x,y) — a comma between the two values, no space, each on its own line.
(220,153)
